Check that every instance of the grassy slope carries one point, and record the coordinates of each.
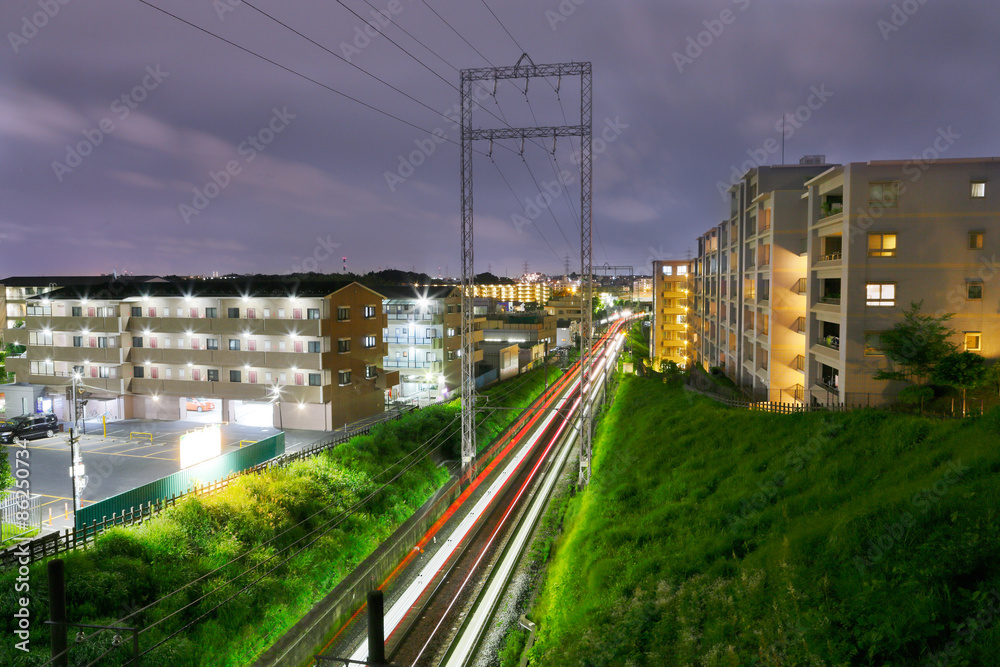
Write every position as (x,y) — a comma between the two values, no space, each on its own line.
(131,567)
(713,536)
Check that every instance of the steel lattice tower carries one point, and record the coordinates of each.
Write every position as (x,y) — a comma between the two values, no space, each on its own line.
(584,130)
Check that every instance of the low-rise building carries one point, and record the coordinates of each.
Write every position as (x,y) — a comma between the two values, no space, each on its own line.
(256,350)
(668,340)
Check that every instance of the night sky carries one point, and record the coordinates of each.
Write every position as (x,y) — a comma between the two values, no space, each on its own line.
(114,117)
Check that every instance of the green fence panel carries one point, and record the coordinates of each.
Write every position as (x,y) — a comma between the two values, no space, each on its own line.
(181,482)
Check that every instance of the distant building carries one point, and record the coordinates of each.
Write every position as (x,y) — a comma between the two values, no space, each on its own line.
(668,340)
(535,292)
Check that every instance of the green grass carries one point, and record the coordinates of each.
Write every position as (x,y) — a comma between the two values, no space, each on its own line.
(714,536)
(129,568)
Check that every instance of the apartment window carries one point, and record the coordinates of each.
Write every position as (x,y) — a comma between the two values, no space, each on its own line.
(136,311)
(41,310)
(883,194)
(369,312)
(213,375)
(668,270)
(764,254)
(233,313)
(682,270)
(211,343)
(234,344)
(267,313)
(371,371)
(312,313)
(880,294)
(211,313)
(39,338)
(344,377)
(77,341)
(76,311)
(343,313)
(881,245)
(235,376)
(104,372)
(315,379)
(976,240)
(344,345)
(281,346)
(136,341)
(974,290)
(973,341)
(977,189)
(138,372)
(281,313)
(873,344)
(314,346)
(451,331)
(369,342)
(451,355)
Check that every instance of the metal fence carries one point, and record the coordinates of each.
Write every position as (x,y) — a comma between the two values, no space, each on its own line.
(179,483)
(19,515)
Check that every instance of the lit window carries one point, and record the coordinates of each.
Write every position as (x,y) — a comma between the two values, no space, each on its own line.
(973,341)
(369,312)
(371,371)
(682,270)
(974,290)
(873,344)
(881,245)
(975,240)
(977,189)
(369,342)
(668,270)
(880,294)
(883,194)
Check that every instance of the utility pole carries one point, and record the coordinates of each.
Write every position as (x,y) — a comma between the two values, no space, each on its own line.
(584,130)
(75,472)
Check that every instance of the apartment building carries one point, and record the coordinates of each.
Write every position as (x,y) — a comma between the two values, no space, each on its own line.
(256,350)
(568,307)
(668,340)
(537,292)
(16,290)
(423,335)
(749,283)
(882,235)
(521,328)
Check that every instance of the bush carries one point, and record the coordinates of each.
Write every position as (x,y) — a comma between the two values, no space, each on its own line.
(915,395)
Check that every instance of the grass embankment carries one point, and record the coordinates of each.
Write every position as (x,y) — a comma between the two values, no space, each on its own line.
(270,517)
(715,536)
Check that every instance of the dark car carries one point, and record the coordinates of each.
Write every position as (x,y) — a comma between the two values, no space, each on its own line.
(29,427)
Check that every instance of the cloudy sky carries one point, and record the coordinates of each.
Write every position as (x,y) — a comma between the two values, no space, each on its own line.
(132,141)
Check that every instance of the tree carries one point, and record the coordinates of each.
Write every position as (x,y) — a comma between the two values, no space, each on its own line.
(961,370)
(993,376)
(916,345)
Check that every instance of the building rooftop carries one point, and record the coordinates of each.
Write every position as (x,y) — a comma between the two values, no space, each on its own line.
(249,286)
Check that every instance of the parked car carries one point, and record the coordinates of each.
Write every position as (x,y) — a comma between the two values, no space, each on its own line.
(199,405)
(29,427)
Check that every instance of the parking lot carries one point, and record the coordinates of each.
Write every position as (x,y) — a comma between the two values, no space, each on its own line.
(133,452)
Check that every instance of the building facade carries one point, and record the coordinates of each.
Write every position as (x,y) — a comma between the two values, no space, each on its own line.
(266,352)
(668,339)
(883,235)
(537,292)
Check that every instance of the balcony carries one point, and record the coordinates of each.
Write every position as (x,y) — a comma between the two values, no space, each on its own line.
(231,390)
(73,324)
(225,358)
(832,342)
(227,326)
(432,342)
(800,286)
(831,257)
(422,318)
(75,354)
(392,362)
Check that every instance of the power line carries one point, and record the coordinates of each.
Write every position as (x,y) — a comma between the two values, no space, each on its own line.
(291,71)
(504,27)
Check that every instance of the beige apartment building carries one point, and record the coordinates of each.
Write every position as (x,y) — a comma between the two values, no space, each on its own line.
(882,235)
(668,340)
(749,285)
(259,350)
